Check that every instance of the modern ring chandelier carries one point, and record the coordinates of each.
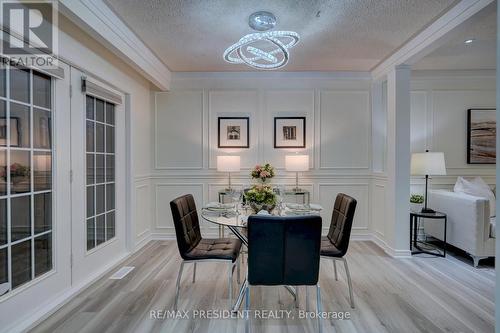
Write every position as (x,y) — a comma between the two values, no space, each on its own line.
(262,50)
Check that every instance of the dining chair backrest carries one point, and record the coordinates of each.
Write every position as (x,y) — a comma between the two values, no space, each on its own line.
(341,223)
(187,225)
(283,250)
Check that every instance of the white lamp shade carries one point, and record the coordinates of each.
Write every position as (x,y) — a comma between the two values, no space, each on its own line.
(429,163)
(297,163)
(228,163)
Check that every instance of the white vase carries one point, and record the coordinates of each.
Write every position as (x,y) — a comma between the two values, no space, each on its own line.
(415,207)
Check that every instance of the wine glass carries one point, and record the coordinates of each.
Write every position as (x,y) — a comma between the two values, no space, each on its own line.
(236,195)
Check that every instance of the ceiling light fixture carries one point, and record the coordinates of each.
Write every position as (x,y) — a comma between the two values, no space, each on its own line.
(262,50)
(469,41)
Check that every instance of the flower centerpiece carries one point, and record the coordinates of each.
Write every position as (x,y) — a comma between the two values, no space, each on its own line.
(263,172)
(261,197)
(18,172)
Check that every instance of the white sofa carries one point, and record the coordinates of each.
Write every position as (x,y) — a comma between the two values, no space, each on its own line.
(469,225)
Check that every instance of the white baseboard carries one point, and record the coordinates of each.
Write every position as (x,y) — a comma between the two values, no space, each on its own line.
(395,253)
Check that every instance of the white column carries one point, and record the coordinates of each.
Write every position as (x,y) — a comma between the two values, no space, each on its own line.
(398,160)
(497,241)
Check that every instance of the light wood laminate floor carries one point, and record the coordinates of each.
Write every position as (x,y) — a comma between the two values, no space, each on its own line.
(419,294)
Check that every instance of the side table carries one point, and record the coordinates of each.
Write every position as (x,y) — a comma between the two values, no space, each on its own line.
(414,216)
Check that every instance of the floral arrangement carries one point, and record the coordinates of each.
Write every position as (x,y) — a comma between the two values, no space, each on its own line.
(16,170)
(261,197)
(263,172)
(416,198)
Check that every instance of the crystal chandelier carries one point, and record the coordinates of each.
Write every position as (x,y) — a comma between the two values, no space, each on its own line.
(262,50)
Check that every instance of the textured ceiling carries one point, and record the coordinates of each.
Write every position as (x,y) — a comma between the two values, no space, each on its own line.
(355,35)
(454,54)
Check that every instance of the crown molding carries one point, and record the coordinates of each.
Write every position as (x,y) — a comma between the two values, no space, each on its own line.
(358,75)
(100,22)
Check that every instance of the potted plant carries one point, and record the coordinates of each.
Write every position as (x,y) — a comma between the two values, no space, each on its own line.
(416,201)
(261,197)
(263,172)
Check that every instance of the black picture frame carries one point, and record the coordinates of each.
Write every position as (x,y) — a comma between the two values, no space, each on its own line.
(471,158)
(219,133)
(276,119)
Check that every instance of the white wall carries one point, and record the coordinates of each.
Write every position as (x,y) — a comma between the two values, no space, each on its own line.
(338,137)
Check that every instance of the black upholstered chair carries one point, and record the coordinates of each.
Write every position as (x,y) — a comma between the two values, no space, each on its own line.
(193,248)
(283,251)
(335,244)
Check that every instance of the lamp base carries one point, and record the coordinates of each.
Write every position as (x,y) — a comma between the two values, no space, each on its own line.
(428,211)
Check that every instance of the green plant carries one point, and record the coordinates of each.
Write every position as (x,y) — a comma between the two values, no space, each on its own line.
(261,194)
(417,198)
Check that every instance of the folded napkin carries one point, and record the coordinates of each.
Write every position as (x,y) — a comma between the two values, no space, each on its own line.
(219,205)
(296,206)
(213,205)
(315,207)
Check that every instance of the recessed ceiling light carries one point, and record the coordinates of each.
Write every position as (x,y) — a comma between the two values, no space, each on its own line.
(469,41)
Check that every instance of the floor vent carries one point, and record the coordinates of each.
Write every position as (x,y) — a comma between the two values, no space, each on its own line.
(121,273)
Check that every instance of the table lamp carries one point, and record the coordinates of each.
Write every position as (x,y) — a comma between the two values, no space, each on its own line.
(228,164)
(296,163)
(427,164)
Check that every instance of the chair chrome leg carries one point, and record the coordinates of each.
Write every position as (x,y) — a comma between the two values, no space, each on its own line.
(179,275)
(349,282)
(307,298)
(238,270)
(194,272)
(319,308)
(296,297)
(335,269)
(247,309)
(230,280)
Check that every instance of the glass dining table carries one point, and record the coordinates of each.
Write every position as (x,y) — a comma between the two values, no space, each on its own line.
(236,221)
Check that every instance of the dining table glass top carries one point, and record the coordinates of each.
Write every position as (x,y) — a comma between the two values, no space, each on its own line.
(239,217)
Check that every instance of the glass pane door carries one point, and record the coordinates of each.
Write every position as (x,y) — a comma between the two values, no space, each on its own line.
(25,176)
(100,179)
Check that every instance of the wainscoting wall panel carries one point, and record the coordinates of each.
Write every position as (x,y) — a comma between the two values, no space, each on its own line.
(338,123)
(227,103)
(345,135)
(328,192)
(179,115)
(166,192)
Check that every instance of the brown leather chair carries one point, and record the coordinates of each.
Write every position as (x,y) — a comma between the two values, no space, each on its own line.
(335,244)
(193,248)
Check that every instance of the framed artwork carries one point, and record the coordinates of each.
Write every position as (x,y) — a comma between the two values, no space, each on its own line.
(14,132)
(289,132)
(481,136)
(233,132)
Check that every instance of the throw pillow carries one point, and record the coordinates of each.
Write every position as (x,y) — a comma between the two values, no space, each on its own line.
(476,187)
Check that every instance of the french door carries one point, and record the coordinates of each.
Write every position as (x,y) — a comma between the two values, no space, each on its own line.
(98,176)
(62,185)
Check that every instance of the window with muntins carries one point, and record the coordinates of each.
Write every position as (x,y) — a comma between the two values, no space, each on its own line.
(26,228)
(100,180)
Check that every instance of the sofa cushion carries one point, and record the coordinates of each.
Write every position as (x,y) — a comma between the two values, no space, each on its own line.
(493,233)
(476,187)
